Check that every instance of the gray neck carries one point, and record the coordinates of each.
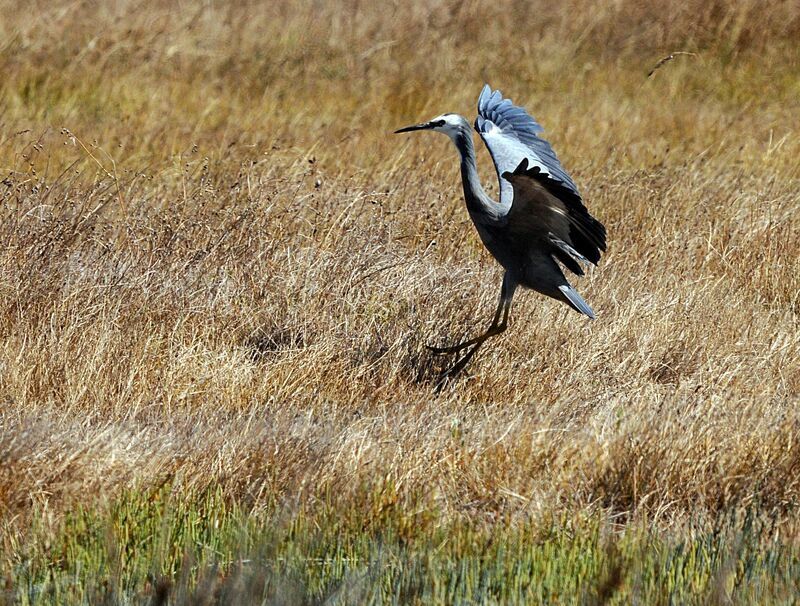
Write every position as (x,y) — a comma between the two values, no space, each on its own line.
(479,204)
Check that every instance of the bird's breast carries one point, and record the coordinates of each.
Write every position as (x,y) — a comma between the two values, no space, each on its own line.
(496,240)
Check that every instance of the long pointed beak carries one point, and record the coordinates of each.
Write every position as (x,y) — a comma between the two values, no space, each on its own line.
(408,129)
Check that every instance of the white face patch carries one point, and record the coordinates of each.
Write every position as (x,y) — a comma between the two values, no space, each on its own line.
(452,124)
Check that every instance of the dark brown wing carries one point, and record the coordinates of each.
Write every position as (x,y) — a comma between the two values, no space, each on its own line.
(542,207)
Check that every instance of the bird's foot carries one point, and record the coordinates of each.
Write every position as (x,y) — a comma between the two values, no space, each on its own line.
(450,374)
(439,351)
(494,329)
(456,369)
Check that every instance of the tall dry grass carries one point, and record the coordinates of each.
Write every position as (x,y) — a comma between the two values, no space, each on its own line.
(218,268)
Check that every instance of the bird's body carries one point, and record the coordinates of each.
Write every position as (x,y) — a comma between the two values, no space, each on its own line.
(539,221)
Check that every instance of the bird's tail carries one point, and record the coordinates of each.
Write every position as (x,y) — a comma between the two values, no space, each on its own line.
(572,297)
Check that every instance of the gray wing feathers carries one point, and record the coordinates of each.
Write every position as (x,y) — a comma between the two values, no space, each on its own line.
(510,133)
(568,255)
(540,203)
(576,300)
(567,248)
(549,212)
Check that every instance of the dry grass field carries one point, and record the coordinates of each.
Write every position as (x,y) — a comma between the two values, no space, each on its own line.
(219,271)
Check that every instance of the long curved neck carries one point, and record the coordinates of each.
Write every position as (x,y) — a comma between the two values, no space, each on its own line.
(478,202)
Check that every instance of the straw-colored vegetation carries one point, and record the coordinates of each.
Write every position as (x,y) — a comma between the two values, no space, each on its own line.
(219,270)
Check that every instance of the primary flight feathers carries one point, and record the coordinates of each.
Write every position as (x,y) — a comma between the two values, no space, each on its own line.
(510,133)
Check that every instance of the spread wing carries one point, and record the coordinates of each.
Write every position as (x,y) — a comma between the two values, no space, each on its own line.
(541,199)
(510,134)
(554,215)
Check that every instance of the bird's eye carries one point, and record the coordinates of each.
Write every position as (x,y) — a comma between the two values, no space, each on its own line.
(437,123)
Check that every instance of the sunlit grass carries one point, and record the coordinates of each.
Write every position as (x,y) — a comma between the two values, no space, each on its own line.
(220,270)
(152,547)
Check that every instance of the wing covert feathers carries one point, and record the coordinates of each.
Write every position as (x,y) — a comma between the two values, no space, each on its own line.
(585,234)
(499,117)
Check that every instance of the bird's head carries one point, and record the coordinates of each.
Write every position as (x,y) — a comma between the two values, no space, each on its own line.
(449,124)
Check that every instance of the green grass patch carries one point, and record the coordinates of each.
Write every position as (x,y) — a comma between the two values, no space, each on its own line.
(154,547)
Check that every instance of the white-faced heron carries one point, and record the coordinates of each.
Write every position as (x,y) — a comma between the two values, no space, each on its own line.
(540,220)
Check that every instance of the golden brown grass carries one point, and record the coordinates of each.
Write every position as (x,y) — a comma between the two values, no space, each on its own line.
(219,268)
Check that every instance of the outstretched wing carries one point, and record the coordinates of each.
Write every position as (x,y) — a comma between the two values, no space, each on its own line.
(510,133)
(541,199)
(554,215)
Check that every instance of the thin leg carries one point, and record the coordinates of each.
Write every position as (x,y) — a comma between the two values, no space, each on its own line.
(493,329)
(478,341)
(496,327)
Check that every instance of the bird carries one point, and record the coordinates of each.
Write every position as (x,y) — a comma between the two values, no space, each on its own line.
(538,225)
